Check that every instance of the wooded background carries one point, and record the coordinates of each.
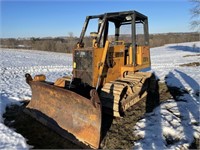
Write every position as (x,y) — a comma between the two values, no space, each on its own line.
(66,44)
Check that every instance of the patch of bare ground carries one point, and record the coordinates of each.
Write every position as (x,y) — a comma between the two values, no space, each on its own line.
(116,133)
(193,64)
(191,55)
(176,93)
(38,136)
(120,133)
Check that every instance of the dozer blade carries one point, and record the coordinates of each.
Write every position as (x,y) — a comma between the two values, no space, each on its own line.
(72,116)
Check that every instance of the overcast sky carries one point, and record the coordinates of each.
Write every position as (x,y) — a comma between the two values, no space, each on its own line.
(58,18)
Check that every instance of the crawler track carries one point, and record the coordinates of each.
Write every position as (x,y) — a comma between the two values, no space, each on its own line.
(117,96)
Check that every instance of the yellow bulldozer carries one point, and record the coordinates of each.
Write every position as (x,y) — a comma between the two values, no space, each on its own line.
(106,78)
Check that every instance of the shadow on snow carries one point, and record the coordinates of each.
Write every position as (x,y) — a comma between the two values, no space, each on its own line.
(193,48)
(157,124)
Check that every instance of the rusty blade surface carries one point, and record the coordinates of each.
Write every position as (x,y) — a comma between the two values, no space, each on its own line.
(69,114)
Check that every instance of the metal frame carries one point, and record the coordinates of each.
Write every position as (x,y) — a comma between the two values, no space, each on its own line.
(118,18)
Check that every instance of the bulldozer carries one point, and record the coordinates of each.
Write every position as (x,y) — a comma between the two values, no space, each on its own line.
(107,78)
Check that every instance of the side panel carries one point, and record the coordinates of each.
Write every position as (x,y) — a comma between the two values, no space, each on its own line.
(143,55)
(115,59)
(96,60)
(142,59)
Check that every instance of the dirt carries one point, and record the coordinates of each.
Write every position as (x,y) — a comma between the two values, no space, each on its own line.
(191,55)
(38,136)
(193,64)
(116,133)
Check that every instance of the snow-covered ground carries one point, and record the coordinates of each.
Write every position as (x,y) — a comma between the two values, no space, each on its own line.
(171,125)
(14,64)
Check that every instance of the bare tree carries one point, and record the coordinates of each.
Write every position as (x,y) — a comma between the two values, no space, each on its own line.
(71,41)
(195,12)
(71,34)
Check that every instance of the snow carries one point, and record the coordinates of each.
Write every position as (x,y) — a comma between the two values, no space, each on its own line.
(166,61)
(172,125)
(14,65)
(10,139)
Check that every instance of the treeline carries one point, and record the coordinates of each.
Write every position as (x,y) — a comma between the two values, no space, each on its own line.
(66,44)
(44,44)
(162,39)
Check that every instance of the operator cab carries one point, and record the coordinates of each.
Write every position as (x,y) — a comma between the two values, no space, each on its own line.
(128,50)
(128,28)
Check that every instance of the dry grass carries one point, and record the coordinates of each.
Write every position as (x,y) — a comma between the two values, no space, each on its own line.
(193,64)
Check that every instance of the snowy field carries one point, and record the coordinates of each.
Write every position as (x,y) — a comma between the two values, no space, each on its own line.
(14,65)
(173,124)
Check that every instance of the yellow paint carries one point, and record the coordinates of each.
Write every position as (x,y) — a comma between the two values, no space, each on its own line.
(130,55)
(103,58)
(74,65)
(40,77)
(120,62)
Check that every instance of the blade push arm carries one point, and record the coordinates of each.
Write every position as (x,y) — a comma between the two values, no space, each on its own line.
(103,59)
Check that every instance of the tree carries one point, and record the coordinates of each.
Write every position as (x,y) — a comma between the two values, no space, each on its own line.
(71,41)
(195,12)
(71,34)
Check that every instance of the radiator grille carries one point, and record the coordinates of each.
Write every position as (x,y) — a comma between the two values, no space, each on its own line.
(84,65)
